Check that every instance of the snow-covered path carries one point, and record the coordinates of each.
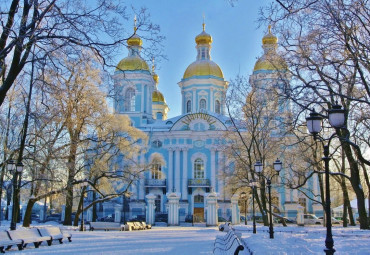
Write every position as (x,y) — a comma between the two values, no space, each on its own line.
(159,240)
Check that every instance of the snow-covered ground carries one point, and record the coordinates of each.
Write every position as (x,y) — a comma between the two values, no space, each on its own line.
(199,240)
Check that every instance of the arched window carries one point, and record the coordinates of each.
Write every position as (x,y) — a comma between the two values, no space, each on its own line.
(188,106)
(198,169)
(218,106)
(202,104)
(156,171)
(130,100)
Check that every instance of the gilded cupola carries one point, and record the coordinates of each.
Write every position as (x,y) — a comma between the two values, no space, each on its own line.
(270,60)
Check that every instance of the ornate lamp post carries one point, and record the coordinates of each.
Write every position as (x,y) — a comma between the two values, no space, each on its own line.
(243,197)
(253,184)
(258,167)
(16,170)
(84,185)
(336,117)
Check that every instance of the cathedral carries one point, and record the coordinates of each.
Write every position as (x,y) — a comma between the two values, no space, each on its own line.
(186,152)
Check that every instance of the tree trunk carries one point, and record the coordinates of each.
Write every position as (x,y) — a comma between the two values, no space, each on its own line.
(27,216)
(69,203)
(356,185)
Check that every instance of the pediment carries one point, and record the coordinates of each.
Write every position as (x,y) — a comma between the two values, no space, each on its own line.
(198,122)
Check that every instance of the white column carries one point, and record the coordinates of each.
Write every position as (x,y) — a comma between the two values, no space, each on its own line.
(170,169)
(183,105)
(235,213)
(150,208)
(211,105)
(141,180)
(213,168)
(177,170)
(194,101)
(173,208)
(142,98)
(89,214)
(184,192)
(211,205)
(117,213)
(63,216)
(220,179)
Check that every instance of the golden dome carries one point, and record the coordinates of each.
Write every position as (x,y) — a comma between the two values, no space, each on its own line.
(134,40)
(131,64)
(269,38)
(203,68)
(158,97)
(273,62)
(203,38)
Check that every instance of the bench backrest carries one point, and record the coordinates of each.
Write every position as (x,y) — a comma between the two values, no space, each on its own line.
(50,231)
(24,233)
(4,236)
(105,224)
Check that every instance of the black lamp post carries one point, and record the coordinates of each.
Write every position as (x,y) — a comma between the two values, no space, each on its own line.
(16,170)
(258,167)
(253,184)
(243,196)
(84,185)
(336,117)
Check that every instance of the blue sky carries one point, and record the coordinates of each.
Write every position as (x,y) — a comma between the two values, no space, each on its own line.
(236,38)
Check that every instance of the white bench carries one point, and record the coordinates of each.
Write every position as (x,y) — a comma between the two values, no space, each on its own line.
(29,235)
(229,244)
(6,243)
(147,226)
(106,226)
(131,226)
(55,233)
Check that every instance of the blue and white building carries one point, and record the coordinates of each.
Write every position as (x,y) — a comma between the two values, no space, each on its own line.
(186,152)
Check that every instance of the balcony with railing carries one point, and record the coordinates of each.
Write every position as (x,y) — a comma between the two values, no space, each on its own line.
(155,182)
(199,183)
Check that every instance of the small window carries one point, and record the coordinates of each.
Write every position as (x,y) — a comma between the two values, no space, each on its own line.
(218,107)
(202,104)
(157,144)
(203,53)
(198,169)
(188,106)
(198,199)
(156,171)
(130,100)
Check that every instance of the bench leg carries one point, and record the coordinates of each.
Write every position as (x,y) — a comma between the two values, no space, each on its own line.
(37,244)
(25,245)
(20,246)
(70,239)
(60,240)
(49,242)
(2,249)
(8,248)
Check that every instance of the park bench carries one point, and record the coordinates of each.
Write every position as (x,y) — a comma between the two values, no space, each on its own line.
(147,226)
(29,235)
(131,226)
(228,244)
(55,233)
(6,242)
(106,226)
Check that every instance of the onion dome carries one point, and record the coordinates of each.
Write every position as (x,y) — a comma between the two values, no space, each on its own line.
(203,38)
(135,40)
(158,97)
(203,68)
(270,60)
(132,63)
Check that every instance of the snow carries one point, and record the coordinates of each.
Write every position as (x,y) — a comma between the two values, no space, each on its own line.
(199,239)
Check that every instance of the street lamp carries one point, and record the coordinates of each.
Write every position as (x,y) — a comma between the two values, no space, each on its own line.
(126,195)
(84,185)
(258,167)
(253,184)
(336,117)
(16,170)
(243,196)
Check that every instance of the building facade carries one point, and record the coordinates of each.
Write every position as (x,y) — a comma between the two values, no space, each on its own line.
(186,152)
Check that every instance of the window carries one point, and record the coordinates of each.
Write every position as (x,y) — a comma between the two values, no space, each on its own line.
(130,100)
(203,53)
(157,144)
(218,107)
(156,171)
(198,199)
(202,104)
(198,169)
(188,106)
(157,203)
